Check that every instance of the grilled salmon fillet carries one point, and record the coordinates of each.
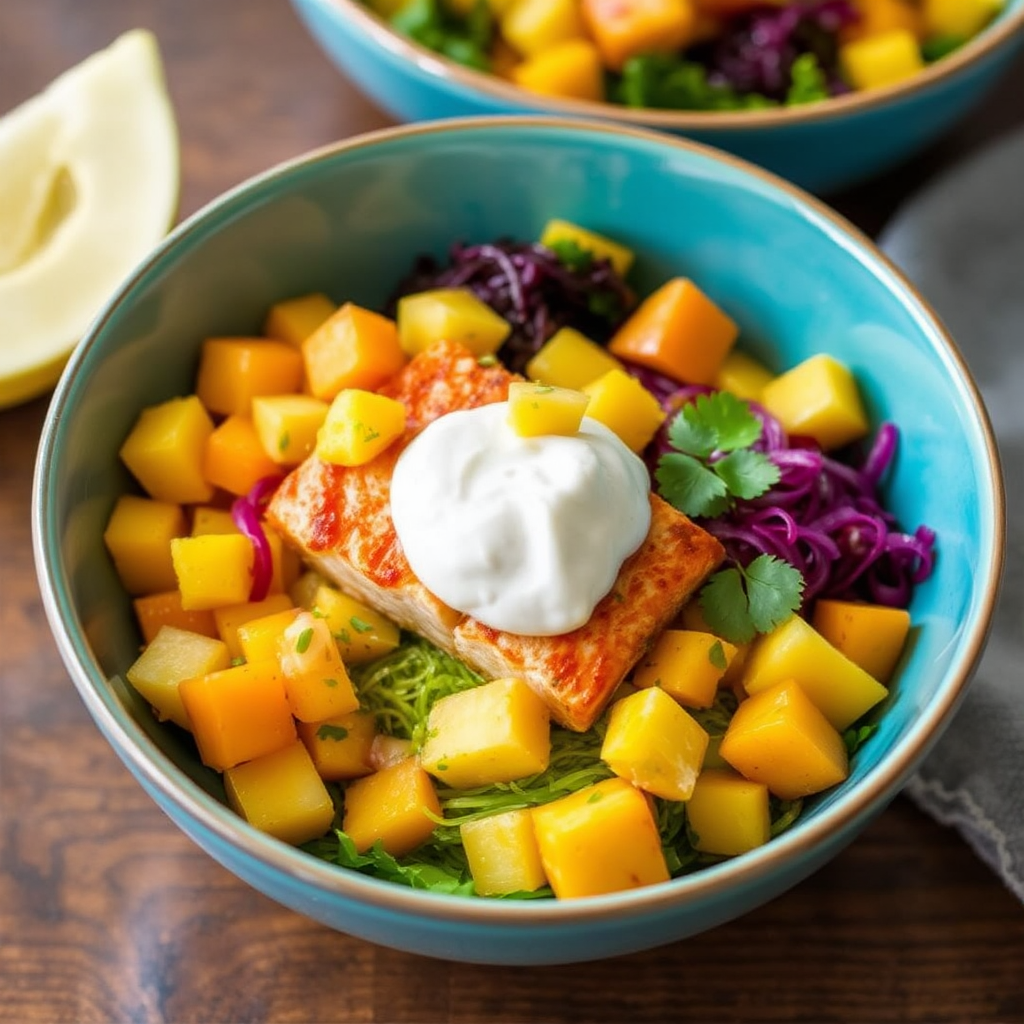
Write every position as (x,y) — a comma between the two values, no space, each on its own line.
(339,520)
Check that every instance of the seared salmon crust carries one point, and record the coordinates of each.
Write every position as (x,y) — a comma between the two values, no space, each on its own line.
(338,518)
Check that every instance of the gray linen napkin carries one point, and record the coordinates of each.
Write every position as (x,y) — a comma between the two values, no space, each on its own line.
(961,241)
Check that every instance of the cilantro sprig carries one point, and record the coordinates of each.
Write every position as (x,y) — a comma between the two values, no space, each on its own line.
(713,463)
(740,602)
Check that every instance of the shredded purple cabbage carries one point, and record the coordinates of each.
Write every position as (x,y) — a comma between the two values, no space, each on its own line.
(247,515)
(824,517)
(531,288)
(756,50)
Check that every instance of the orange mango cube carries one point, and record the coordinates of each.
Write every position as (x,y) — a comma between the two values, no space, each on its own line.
(626,28)
(233,371)
(341,746)
(235,457)
(164,609)
(230,618)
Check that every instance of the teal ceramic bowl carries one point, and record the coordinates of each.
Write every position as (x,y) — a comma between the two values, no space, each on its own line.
(347,220)
(821,147)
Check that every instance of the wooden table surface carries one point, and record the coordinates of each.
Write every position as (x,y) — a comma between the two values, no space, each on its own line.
(108,913)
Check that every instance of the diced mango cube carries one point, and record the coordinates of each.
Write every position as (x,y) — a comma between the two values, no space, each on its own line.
(172,656)
(626,407)
(626,28)
(959,19)
(677,331)
(842,690)
(138,537)
(881,60)
(164,451)
(294,320)
(396,805)
(238,714)
(569,359)
(503,854)
(164,609)
(287,425)
(600,839)
(353,348)
(233,371)
(281,794)
(743,376)
(819,399)
(358,427)
(533,26)
(259,638)
(361,633)
(692,618)
(728,814)
(230,618)
(206,519)
(538,409)
(340,746)
(870,635)
(686,664)
(571,69)
(315,678)
(600,247)
(497,732)
(779,738)
(450,314)
(213,570)
(655,744)
(235,457)
(875,17)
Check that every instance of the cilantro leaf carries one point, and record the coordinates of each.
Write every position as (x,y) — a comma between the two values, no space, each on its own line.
(738,603)
(689,433)
(690,486)
(731,419)
(716,655)
(572,255)
(746,473)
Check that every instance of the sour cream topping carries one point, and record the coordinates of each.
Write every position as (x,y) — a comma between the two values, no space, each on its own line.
(524,534)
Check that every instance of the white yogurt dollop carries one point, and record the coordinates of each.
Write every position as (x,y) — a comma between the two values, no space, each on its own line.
(524,534)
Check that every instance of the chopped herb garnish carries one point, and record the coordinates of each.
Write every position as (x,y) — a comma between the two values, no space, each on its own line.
(332,732)
(740,602)
(235,662)
(716,655)
(572,255)
(331,682)
(594,797)
(442,767)
(488,360)
(855,736)
(359,625)
(343,636)
(283,441)
(370,435)
(305,638)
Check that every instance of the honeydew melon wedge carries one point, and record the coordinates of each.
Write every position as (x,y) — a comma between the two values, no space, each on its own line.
(88,185)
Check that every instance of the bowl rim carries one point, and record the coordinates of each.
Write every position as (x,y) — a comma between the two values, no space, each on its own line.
(992,37)
(157,771)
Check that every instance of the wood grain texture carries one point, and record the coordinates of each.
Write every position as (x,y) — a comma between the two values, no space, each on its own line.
(109,914)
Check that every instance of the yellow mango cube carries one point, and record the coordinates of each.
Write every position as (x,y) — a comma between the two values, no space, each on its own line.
(358,427)
(165,451)
(497,732)
(294,320)
(654,744)
(601,248)
(340,746)
(232,617)
(396,805)
(171,656)
(688,665)
(819,399)
(259,637)
(535,410)
(138,537)
(841,689)
(600,839)
(692,618)
(533,26)
(503,854)
(870,635)
(212,570)
(880,60)
(779,738)
(361,633)
(959,19)
(569,359)
(728,814)
(287,425)
(451,314)
(281,794)
(743,376)
(571,69)
(315,679)
(626,407)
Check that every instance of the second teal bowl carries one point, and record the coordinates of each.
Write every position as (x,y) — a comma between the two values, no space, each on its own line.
(822,147)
